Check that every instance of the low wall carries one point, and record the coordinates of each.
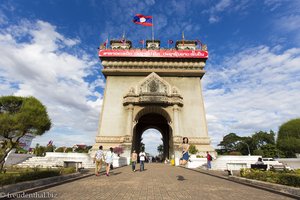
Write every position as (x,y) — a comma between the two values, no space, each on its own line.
(120,161)
(294,163)
(55,159)
(67,155)
(14,158)
(196,162)
(221,162)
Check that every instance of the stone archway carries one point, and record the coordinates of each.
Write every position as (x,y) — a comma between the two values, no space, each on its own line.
(156,121)
(168,80)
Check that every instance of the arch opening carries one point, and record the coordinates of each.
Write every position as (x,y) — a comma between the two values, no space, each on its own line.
(161,124)
(152,139)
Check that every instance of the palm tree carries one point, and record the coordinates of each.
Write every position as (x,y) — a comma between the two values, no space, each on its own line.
(160,149)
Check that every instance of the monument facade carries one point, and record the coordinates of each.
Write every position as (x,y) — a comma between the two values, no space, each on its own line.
(153,88)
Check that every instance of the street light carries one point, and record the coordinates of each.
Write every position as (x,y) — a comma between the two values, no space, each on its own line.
(247,147)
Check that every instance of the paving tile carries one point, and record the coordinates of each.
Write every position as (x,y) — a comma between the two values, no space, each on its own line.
(158,181)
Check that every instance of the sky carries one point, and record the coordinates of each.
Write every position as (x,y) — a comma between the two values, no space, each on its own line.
(48,49)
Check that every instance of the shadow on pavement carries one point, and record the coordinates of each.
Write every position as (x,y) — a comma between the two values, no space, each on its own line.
(180,178)
(116,173)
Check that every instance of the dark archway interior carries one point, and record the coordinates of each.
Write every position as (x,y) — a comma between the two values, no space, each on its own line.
(155,121)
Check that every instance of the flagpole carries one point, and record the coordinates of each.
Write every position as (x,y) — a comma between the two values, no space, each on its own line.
(152,29)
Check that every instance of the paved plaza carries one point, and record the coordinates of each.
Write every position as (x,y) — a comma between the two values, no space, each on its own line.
(158,181)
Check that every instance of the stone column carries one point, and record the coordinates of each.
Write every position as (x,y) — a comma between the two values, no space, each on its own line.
(176,134)
(176,120)
(129,119)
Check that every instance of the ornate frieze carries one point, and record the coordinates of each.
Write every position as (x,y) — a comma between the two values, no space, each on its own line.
(153,90)
(113,139)
(153,65)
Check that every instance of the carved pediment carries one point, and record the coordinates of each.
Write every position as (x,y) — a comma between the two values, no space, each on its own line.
(154,84)
(153,90)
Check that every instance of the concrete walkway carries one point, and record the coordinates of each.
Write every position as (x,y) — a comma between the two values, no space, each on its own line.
(158,181)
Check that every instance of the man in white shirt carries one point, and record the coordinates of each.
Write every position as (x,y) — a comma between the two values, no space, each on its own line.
(98,159)
(142,156)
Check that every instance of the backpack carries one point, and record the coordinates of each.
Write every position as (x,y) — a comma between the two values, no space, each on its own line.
(210,157)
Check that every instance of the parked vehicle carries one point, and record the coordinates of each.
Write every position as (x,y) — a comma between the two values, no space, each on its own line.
(272,163)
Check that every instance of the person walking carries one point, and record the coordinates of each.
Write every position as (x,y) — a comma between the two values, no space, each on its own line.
(142,156)
(98,159)
(209,159)
(185,151)
(133,160)
(109,159)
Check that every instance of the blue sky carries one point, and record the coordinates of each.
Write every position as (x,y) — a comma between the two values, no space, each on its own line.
(48,49)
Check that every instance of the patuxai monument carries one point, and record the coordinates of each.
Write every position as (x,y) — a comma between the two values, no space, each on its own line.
(155,88)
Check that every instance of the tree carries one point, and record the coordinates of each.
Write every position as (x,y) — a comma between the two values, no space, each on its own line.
(60,149)
(288,140)
(19,116)
(262,138)
(160,149)
(69,150)
(229,143)
(256,142)
(269,151)
(39,150)
(50,148)
(142,147)
(234,144)
(245,146)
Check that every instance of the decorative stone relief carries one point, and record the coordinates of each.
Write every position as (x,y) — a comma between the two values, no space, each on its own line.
(113,139)
(153,90)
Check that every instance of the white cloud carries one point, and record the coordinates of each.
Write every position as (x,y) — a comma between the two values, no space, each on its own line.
(151,139)
(213,19)
(3,18)
(273,4)
(36,60)
(256,89)
(289,23)
(225,6)
(222,5)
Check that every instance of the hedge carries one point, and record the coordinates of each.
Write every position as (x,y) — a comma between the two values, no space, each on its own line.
(33,174)
(289,178)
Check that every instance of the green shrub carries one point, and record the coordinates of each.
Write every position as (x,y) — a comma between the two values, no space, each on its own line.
(235,153)
(21,151)
(7,178)
(297,171)
(193,149)
(69,150)
(28,175)
(290,178)
(68,170)
(60,149)
(50,148)
(37,175)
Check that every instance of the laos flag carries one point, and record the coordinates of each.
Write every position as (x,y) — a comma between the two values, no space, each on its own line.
(143,20)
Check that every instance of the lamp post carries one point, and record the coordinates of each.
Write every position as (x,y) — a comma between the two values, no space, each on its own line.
(249,154)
